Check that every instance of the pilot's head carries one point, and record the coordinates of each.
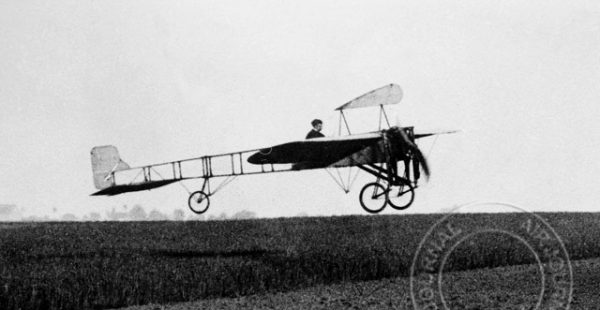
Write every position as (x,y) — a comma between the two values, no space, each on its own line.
(317,124)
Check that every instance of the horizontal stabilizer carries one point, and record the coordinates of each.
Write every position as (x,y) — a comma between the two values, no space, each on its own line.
(389,94)
(119,189)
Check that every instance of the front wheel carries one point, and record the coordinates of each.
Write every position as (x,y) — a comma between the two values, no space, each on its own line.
(198,202)
(401,196)
(373,197)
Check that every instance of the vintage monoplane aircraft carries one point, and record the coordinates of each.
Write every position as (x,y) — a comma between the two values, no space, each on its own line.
(377,153)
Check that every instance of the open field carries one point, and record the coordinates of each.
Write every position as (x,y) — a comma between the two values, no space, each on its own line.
(510,287)
(117,264)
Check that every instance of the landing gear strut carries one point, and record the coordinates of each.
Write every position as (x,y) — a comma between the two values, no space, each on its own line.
(199,201)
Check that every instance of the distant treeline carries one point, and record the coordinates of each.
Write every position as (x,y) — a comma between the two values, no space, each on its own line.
(11,213)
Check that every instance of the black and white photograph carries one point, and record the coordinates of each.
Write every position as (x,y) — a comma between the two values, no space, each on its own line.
(299,154)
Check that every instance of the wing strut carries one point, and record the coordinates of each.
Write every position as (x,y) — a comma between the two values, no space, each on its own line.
(343,117)
(382,113)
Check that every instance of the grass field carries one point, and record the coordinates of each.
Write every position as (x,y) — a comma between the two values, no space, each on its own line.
(510,287)
(99,265)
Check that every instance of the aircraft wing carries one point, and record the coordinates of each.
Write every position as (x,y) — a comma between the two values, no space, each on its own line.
(314,153)
(423,135)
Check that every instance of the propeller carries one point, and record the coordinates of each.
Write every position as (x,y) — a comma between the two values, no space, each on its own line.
(407,145)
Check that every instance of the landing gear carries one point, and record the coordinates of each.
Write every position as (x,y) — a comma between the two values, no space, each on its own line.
(198,202)
(375,196)
(401,196)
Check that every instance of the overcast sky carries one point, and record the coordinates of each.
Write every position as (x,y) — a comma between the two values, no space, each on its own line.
(166,80)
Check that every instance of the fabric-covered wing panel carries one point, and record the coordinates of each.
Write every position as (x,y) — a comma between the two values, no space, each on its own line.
(312,153)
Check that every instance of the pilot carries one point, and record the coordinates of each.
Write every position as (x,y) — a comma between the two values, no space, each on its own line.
(315,132)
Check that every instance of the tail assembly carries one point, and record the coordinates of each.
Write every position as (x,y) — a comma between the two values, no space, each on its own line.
(105,161)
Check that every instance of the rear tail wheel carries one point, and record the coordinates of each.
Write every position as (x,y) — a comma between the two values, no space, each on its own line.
(198,202)
(401,196)
(373,197)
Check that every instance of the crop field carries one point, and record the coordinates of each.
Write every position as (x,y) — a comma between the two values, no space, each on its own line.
(97,265)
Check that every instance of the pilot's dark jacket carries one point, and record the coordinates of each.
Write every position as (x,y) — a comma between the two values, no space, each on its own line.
(314,134)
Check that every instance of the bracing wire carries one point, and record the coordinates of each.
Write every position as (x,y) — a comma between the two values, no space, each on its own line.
(180,183)
(354,179)
(334,179)
(341,178)
(185,187)
(349,174)
(225,182)
(137,175)
(431,148)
